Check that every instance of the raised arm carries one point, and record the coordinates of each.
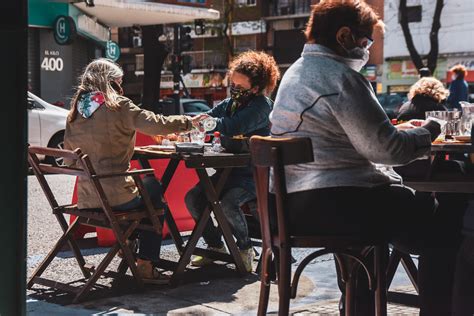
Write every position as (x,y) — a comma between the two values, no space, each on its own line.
(150,123)
(369,129)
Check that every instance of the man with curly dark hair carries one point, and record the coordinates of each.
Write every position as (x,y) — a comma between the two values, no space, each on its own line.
(253,76)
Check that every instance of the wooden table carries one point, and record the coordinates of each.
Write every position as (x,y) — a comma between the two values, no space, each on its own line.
(432,182)
(448,183)
(199,162)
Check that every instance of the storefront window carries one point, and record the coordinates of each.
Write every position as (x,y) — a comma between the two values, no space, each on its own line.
(244,43)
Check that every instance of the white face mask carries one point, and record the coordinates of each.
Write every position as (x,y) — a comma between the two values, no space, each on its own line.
(453,77)
(357,57)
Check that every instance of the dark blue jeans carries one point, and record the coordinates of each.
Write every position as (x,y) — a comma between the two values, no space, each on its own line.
(149,242)
(232,199)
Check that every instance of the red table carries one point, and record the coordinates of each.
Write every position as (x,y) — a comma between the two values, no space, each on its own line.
(183,180)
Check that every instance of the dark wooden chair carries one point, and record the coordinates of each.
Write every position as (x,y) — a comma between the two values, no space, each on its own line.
(276,153)
(122,224)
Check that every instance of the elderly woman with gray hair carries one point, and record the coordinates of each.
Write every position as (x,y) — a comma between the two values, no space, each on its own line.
(427,94)
(323,96)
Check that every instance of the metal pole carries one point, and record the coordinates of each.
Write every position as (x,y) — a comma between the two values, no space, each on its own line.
(13,89)
(176,70)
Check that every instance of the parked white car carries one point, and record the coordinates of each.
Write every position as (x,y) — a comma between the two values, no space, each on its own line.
(46,124)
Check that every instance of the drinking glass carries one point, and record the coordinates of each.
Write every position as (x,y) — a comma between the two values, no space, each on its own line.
(197,136)
(467,118)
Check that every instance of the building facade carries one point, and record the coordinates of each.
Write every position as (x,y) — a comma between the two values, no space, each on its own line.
(455,42)
(53,67)
(273,26)
(63,38)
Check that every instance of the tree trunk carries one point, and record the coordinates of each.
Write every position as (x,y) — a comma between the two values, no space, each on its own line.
(415,56)
(433,54)
(154,56)
(432,57)
(228,10)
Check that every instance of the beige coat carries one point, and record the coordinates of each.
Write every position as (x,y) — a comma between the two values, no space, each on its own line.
(108,138)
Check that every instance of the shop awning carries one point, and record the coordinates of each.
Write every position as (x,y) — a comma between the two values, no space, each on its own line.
(122,13)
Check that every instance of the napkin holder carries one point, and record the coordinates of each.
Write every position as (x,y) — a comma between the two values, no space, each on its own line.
(189,148)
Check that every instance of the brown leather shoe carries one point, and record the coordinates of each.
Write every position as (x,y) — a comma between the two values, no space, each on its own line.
(151,275)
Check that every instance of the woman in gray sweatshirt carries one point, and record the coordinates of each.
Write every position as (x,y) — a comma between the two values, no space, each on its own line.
(323,96)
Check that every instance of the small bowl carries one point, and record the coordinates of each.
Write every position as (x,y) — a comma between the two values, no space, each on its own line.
(235,145)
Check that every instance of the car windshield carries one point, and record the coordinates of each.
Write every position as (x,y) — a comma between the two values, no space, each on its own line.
(195,106)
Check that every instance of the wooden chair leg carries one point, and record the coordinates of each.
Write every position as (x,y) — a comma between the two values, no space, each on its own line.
(284,281)
(410,269)
(120,244)
(100,269)
(393,263)
(52,254)
(265,261)
(380,259)
(349,302)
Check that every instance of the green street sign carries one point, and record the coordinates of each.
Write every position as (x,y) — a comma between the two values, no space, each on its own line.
(112,51)
(64,30)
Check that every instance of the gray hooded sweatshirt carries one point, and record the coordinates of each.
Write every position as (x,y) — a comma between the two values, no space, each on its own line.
(322,97)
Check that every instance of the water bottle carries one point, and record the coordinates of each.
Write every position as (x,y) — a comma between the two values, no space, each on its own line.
(216,143)
(209,124)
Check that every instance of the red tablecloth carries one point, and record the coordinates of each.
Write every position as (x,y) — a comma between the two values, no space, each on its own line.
(183,180)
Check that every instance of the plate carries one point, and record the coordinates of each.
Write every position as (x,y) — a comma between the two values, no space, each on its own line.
(464,139)
(160,147)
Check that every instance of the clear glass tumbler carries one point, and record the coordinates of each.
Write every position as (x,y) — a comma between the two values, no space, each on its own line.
(197,136)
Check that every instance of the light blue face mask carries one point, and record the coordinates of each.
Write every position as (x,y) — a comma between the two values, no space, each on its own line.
(357,57)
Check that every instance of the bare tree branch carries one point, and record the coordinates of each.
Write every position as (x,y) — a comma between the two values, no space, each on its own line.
(415,56)
(228,10)
(436,25)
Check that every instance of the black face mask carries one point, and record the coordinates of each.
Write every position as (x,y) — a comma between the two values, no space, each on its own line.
(241,96)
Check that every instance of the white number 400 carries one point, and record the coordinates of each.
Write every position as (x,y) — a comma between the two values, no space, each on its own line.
(52,64)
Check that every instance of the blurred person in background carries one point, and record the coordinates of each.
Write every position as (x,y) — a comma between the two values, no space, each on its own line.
(427,94)
(459,89)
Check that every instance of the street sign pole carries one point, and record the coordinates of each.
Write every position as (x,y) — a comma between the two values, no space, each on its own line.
(13,88)
(176,70)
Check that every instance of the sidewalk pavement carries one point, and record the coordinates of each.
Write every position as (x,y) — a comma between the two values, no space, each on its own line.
(215,290)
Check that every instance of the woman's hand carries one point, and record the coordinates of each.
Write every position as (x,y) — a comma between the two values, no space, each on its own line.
(410,124)
(196,120)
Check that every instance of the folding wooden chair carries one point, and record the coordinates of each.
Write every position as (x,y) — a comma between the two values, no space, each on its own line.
(277,242)
(123,224)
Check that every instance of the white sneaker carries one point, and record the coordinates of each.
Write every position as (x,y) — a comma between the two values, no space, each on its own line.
(247,256)
(199,261)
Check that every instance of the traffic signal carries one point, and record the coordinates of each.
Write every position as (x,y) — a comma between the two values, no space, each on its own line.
(199,27)
(185,40)
(186,64)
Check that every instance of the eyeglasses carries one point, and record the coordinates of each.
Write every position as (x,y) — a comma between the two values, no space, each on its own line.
(367,42)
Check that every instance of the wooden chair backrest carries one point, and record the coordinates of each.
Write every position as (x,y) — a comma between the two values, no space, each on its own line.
(85,170)
(276,153)
(41,169)
(82,168)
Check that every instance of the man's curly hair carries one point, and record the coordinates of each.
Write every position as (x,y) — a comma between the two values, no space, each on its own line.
(259,67)
(430,87)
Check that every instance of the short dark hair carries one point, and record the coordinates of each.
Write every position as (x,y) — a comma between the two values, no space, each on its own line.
(328,16)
